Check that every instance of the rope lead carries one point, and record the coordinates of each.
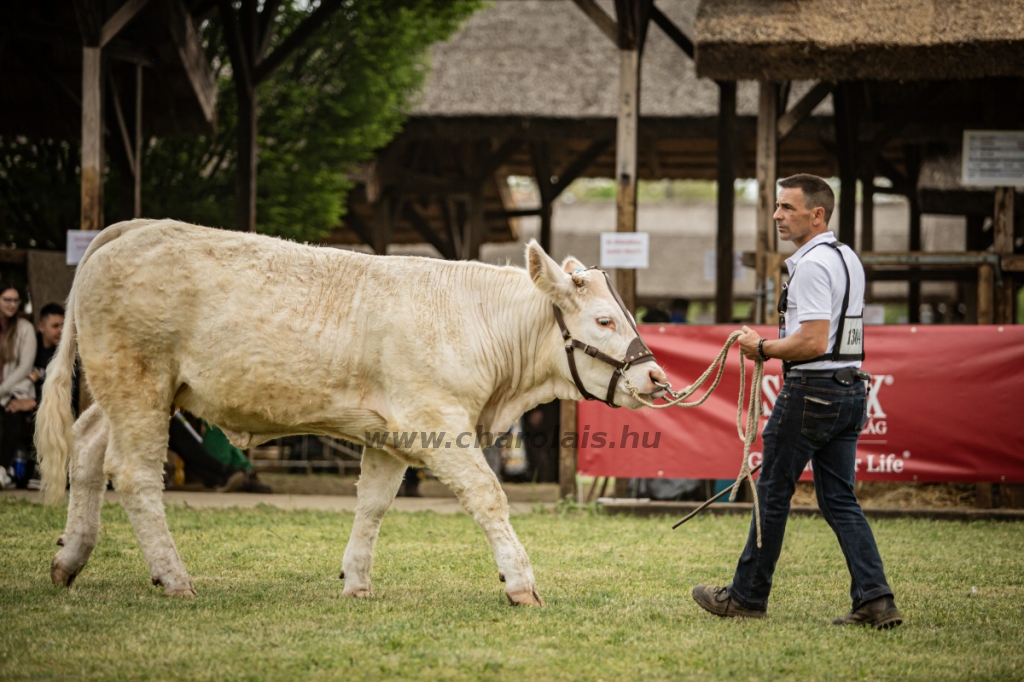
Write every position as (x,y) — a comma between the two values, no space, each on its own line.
(747,435)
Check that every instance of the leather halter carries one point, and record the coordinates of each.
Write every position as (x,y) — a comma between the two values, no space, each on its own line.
(636,352)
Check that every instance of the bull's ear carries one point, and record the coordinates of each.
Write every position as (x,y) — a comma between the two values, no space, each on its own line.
(577,271)
(547,275)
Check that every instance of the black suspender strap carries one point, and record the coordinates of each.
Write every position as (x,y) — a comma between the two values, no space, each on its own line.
(850,330)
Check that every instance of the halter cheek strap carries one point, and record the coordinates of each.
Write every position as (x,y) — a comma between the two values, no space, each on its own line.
(636,352)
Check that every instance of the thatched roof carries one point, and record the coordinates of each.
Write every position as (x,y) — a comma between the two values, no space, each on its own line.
(783,40)
(545,58)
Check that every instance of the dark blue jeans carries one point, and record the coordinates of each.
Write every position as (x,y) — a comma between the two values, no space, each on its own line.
(816,420)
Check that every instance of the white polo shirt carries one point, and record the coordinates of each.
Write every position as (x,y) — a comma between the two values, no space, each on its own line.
(817,284)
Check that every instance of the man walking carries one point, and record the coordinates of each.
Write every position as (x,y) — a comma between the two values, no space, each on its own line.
(817,417)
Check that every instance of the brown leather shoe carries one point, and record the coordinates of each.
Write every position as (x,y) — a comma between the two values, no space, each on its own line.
(881,614)
(716,600)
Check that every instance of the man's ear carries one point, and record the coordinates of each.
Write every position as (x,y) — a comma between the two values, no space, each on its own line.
(548,276)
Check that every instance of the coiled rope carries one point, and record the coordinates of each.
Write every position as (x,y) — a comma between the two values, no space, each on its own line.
(747,435)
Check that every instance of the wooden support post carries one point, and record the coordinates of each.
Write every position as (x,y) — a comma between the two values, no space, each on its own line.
(767,175)
(727,152)
(476,225)
(986,281)
(383,224)
(867,213)
(567,455)
(914,291)
(137,189)
(626,164)
(912,156)
(542,172)
(92,138)
(245,185)
(846,123)
(1003,245)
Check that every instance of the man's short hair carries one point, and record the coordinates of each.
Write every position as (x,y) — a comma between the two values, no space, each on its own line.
(51,309)
(816,192)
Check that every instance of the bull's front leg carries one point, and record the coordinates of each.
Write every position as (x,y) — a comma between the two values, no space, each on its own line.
(465,472)
(379,479)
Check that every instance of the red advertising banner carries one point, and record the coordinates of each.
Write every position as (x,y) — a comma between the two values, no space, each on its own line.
(946,405)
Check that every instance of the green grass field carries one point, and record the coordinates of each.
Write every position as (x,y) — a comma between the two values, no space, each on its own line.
(617,588)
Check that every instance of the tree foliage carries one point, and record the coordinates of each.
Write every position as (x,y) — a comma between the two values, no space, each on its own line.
(343,94)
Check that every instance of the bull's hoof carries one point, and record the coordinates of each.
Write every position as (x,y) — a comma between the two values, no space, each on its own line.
(524,598)
(59,576)
(180,590)
(359,594)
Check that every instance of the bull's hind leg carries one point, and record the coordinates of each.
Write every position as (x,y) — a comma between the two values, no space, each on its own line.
(466,473)
(87,485)
(379,480)
(138,448)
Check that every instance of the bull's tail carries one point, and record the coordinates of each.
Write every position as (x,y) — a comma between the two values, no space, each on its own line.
(54,421)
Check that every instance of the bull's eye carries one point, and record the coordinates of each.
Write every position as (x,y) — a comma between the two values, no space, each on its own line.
(606,322)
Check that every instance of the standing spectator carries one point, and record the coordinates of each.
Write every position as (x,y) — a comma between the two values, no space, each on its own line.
(17,355)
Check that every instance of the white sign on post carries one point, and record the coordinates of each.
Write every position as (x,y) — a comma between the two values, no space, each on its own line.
(78,242)
(993,158)
(625,250)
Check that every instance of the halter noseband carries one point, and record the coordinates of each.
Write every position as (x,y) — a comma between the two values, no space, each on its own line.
(636,352)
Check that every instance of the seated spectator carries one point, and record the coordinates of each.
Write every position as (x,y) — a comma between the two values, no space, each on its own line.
(17,391)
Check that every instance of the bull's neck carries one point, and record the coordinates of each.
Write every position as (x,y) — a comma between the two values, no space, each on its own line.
(526,369)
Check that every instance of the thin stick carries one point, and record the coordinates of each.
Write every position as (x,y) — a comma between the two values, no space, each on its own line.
(717,497)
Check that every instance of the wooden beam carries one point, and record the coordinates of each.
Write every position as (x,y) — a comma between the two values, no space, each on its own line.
(684,41)
(541,154)
(411,213)
(867,212)
(240,66)
(912,157)
(597,15)
(193,57)
(847,150)
(356,224)
(89,14)
(802,109)
(495,159)
(986,287)
(137,189)
(266,31)
(766,169)
(508,204)
(626,163)
(514,213)
(1002,224)
(476,226)
(578,166)
(728,147)
(122,126)
(92,139)
(112,26)
(295,39)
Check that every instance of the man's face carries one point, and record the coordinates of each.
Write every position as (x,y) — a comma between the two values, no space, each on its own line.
(792,217)
(50,328)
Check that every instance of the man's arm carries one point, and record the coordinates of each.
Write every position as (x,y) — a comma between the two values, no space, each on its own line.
(809,341)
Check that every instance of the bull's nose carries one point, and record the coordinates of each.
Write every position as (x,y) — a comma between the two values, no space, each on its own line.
(657,376)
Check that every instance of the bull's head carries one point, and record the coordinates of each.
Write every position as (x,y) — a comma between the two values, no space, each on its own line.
(593,316)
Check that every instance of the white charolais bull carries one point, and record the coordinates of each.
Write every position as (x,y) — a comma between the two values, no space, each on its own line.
(268,338)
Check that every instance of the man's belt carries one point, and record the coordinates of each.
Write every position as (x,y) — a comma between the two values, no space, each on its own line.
(844,376)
